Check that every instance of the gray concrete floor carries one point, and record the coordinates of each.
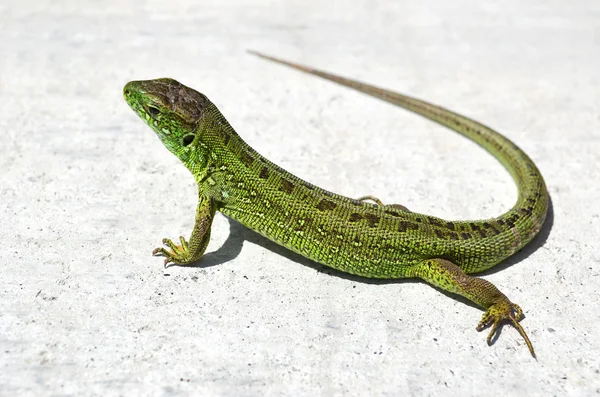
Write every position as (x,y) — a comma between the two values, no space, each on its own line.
(87,191)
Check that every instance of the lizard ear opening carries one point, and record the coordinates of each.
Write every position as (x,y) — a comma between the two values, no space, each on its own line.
(188,139)
(153,110)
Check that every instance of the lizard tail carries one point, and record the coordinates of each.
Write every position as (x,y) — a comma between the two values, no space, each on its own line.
(526,217)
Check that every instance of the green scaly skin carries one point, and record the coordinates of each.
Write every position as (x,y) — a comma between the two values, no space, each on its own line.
(351,235)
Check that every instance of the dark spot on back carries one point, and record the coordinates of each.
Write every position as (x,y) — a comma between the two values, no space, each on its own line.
(264,173)
(404,226)
(286,186)
(326,205)
(355,217)
(301,227)
(465,235)
(450,225)
(226,138)
(474,226)
(527,210)
(372,219)
(491,228)
(246,158)
(439,233)
(434,221)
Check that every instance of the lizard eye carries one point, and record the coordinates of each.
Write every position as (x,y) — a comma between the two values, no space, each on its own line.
(188,139)
(153,111)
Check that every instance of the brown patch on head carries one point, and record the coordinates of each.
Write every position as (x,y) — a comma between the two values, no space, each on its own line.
(286,186)
(189,103)
(326,205)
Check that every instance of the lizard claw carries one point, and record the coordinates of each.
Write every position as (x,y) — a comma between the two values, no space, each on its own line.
(175,253)
(500,312)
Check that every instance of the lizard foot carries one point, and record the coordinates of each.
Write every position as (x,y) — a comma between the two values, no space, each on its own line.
(178,254)
(500,312)
(379,203)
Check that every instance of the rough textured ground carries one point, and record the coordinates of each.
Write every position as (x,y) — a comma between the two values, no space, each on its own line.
(87,191)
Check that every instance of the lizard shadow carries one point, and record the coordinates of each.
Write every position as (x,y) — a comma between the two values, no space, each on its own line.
(538,241)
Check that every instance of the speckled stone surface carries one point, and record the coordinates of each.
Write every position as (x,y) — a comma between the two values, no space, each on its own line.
(87,191)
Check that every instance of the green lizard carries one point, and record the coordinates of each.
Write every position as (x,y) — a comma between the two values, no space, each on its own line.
(351,235)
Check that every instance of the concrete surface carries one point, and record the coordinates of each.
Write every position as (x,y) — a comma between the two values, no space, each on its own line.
(87,191)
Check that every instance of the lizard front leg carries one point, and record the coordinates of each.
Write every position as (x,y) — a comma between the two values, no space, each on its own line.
(498,308)
(187,253)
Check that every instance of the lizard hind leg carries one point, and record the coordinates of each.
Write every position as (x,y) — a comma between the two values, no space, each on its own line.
(380,203)
(498,308)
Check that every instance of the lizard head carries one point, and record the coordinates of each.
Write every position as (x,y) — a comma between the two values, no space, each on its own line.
(174,111)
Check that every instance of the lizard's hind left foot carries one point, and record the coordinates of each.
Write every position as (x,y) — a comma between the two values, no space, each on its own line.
(500,312)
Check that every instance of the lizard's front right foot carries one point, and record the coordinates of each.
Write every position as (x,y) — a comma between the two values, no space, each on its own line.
(177,254)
